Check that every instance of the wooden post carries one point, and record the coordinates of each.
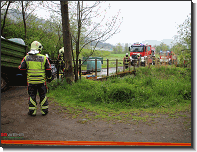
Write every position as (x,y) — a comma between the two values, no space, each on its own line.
(123,65)
(57,68)
(116,66)
(80,68)
(147,61)
(176,62)
(155,61)
(95,67)
(134,65)
(107,67)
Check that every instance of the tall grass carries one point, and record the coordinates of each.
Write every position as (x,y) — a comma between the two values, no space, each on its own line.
(154,87)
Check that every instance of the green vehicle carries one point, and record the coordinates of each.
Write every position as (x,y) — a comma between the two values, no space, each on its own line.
(12,53)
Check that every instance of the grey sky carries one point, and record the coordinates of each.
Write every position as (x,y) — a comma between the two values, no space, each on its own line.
(146,20)
(149,20)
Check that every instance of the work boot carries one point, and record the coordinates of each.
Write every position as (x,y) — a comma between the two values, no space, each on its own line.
(30,113)
(45,113)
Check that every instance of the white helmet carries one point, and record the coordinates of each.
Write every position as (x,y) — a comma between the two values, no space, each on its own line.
(61,51)
(35,45)
(126,53)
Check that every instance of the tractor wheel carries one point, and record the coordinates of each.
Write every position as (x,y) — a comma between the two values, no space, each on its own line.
(3,84)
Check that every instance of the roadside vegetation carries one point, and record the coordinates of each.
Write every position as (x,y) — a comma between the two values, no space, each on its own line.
(164,90)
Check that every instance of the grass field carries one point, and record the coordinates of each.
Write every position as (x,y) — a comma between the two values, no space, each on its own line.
(112,63)
(155,90)
(113,57)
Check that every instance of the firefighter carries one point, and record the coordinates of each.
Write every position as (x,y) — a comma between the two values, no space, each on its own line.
(38,70)
(48,58)
(138,59)
(126,61)
(61,59)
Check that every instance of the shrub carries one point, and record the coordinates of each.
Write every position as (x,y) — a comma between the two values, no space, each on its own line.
(155,87)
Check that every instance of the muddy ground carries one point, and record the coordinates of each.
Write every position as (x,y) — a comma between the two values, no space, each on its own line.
(58,126)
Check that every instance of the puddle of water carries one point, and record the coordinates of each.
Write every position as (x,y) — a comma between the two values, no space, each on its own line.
(111,71)
(104,72)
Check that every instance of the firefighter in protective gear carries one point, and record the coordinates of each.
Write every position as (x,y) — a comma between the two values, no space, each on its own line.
(48,58)
(126,61)
(38,70)
(61,59)
(138,59)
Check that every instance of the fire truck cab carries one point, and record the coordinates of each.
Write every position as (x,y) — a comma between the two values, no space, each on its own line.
(165,57)
(145,52)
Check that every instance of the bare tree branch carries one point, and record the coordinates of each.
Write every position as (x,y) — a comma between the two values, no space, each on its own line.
(5,17)
(5,3)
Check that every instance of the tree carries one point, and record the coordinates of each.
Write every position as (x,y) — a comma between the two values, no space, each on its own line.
(119,48)
(56,26)
(126,48)
(86,31)
(162,47)
(184,31)
(3,3)
(5,15)
(44,31)
(177,48)
(182,44)
(27,5)
(68,73)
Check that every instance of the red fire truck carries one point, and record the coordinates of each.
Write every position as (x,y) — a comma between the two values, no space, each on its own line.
(167,56)
(144,50)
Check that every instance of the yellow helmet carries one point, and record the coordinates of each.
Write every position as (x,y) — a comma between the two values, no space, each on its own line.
(35,45)
(138,54)
(61,51)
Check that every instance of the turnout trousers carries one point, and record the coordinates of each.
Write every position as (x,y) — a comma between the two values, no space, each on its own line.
(32,91)
(126,66)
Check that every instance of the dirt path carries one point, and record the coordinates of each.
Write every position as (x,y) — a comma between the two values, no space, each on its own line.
(57,126)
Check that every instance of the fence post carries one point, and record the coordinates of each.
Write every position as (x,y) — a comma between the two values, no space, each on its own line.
(80,68)
(176,62)
(95,67)
(57,68)
(116,66)
(155,62)
(123,65)
(148,62)
(107,67)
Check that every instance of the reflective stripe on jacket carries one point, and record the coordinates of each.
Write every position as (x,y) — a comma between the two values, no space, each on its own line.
(35,68)
(126,60)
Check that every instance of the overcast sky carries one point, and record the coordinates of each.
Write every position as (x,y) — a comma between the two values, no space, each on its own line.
(151,20)
(146,20)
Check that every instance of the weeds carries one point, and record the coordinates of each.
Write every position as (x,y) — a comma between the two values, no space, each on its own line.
(164,90)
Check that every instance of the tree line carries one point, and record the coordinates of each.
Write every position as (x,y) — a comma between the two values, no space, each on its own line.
(85,22)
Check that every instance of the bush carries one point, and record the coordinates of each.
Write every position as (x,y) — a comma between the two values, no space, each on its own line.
(155,87)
